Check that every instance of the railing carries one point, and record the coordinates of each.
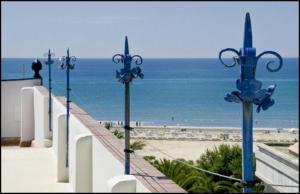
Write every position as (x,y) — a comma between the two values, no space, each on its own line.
(277,169)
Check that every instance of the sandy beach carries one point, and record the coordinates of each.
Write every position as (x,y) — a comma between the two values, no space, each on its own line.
(190,142)
(189,150)
(232,134)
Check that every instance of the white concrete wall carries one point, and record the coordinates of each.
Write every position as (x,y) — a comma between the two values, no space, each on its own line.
(122,184)
(97,158)
(11,105)
(62,169)
(105,167)
(41,120)
(27,114)
(81,177)
(102,172)
(76,167)
(57,110)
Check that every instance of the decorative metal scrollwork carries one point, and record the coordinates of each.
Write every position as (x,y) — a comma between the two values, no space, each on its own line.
(235,58)
(66,61)
(126,74)
(49,55)
(118,58)
(137,59)
(250,88)
(271,61)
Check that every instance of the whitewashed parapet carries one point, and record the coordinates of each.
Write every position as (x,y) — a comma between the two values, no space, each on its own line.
(96,155)
(105,166)
(275,167)
(122,184)
(11,105)
(58,110)
(42,135)
(81,168)
(60,127)
(27,115)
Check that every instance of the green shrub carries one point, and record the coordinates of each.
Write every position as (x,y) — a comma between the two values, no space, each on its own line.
(107,125)
(225,160)
(118,134)
(137,145)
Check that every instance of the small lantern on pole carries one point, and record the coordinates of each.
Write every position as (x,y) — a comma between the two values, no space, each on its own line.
(49,62)
(66,64)
(249,93)
(125,76)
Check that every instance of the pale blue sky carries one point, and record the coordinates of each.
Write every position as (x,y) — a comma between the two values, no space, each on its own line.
(154,29)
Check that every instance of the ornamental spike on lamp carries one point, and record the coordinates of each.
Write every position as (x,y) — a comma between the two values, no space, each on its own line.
(125,76)
(49,61)
(66,64)
(249,93)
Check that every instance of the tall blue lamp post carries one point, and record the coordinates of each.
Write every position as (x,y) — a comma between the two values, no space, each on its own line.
(125,76)
(66,64)
(249,93)
(49,62)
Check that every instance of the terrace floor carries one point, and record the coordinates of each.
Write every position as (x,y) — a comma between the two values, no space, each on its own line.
(29,170)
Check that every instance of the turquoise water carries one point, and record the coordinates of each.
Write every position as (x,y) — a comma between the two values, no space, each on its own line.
(189,90)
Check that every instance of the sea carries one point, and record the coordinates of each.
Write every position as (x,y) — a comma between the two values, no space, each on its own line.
(174,92)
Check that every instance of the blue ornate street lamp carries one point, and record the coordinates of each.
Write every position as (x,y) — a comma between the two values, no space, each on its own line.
(250,93)
(125,76)
(66,64)
(49,62)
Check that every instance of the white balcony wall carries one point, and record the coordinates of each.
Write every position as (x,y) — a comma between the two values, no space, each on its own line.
(11,105)
(82,174)
(57,110)
(62,169)
(106,167)
(27,114)
(100,168)
(41,118)
(124,183)
(88,157)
